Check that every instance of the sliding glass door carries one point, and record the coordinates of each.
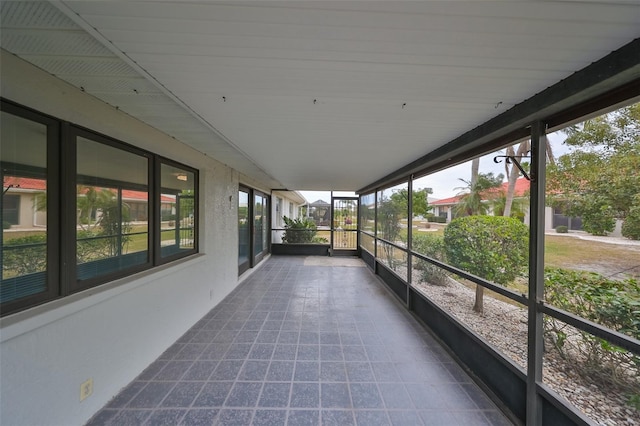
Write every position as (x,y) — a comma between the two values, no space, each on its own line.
(253,227)
(244,230)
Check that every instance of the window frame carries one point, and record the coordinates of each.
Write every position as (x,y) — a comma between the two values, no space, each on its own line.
(158,259)
(75,285)
(246,265)
(51,174)
(62,179)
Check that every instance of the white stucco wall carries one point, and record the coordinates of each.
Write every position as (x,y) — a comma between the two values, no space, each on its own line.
(110,333)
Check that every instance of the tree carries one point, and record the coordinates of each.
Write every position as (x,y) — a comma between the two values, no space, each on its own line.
(512,174)
(492,247)
(470,202)
(421,201)
(599,179)
(390,211)
(471,197)
(500,200)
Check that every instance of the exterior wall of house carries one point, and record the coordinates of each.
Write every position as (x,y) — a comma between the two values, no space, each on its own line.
(112,332)
(281,206)
(26,211)
(548,218)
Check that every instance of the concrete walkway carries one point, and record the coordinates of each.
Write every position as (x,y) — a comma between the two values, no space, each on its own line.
(588,237)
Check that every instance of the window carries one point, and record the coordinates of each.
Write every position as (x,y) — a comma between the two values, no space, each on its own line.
(108,181)
(244,230)
(178,195)
(90,195)
(259,223)
(28,256)
(10,210)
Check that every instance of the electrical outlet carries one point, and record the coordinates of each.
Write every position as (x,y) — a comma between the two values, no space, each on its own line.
(86,389)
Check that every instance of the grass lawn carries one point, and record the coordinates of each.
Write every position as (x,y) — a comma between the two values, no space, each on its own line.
(604,258)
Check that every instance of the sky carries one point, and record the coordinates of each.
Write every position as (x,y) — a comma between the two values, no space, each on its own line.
(445,182)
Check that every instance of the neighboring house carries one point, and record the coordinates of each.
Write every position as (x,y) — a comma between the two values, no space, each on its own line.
(446,206)
(21,198)
(285,203)
(320,212)
(19,201)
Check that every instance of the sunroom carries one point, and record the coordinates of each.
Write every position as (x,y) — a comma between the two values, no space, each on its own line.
(150,151)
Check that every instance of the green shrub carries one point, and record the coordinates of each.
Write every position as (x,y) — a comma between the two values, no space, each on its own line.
(6,225)
(631,224)
(91,245)
(492,247)
(167,215)
(299,231)
(437,219)
(432,246)
(25,255)
(611,303)
(562,229)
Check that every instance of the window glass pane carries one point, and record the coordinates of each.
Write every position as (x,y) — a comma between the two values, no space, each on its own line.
(368,212)
(112,199)
(177,210)
(23,153)
(244,234)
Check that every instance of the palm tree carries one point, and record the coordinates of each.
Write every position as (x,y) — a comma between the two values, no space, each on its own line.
(470,198)
(499,205)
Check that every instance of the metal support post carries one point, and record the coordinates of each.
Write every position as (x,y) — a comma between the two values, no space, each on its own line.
(409,238)
(536,272)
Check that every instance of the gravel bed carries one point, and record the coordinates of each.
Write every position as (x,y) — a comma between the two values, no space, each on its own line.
(504,326)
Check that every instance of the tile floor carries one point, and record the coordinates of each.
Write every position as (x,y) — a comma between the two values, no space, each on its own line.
(301,344)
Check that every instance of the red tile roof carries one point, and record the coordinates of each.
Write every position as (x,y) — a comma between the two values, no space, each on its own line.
(41,185)
(445,201)
(24,183)
(522,187)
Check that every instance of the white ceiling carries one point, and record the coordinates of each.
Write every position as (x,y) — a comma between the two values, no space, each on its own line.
(316,95)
